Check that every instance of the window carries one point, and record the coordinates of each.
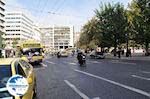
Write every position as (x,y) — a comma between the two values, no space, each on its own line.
(19,70)
(5,74)
(26,66)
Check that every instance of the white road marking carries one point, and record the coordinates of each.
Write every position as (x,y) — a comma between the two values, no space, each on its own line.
(50,62)
(140,77)
(123,63)
(44,65)
(96,62)
(116,83)
(96,98)
(146,72)
(72,63)
(76,90)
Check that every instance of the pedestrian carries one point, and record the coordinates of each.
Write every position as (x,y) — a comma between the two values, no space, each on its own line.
(122,52)
(130,53)
(119,53)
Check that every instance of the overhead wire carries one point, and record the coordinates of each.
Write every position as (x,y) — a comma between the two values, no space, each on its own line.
(42,10)
(48,12)
(62,7)
(59,6)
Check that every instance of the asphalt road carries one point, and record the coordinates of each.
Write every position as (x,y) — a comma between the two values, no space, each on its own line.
(101,79)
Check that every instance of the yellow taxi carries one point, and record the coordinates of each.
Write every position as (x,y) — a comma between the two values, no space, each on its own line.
(15,66)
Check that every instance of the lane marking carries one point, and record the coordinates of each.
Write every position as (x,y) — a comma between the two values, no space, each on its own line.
(116,83)
(96,98)
(76,90)
(44,65)
(123,63)
(146,72)
(72,63)
(140,77)
(51,62)
(95,62)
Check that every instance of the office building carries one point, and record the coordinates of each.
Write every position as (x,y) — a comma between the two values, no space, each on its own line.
(58,37)
(2,20)
(47,36)
(19,28)
(36,33)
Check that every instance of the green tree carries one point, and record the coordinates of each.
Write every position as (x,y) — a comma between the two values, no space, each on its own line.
(140,10)
(89,30)
(14,43)
(112,23)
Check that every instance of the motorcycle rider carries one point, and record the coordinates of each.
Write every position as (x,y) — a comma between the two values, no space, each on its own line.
(81,58)
(58,54)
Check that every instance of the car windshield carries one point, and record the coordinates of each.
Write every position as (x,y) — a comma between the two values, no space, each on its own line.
(34,51)
(5,74)
(63,52)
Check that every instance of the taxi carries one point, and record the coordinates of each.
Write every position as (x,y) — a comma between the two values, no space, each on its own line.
(15,66)
(64,54)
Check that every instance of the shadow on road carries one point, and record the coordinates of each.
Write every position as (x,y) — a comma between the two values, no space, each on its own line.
(36,65)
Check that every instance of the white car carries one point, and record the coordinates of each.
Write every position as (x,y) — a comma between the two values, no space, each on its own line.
(97,55)
(64,54)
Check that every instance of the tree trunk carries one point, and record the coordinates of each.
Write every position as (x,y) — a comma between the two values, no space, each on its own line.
(146,48)
(115,49)
(115,46)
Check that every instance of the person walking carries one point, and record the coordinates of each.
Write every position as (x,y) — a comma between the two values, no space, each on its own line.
(119,53)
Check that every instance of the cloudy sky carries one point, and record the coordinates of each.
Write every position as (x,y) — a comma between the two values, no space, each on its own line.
(59,12)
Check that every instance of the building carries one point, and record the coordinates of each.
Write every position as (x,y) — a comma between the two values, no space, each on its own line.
(19,28)
(76,37)
(36,33)
(47,35)
(2,20)
(63,37)
(58,37)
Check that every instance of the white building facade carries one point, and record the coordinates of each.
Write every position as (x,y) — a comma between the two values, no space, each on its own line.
(58,37)
(47,35)
(2,20)
(19,28)
(76,37)
(36,33)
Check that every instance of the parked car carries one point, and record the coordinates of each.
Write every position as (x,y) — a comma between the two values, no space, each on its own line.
(12,66)
(97,55)
(64,54)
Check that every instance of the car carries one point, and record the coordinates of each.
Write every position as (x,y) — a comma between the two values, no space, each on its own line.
(16,66)
(97,55)
(64,54)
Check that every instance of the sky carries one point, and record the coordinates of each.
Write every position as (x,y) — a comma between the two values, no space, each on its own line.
(59,12)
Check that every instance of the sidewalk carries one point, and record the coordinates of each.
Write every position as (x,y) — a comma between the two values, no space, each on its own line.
(138,56)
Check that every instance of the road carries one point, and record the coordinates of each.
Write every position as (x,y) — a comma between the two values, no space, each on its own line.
(101,79)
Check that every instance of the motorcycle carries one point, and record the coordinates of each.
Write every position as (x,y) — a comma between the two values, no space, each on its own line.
(58,55)
(82,61)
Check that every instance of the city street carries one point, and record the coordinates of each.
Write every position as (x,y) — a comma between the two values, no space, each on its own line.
(101,79)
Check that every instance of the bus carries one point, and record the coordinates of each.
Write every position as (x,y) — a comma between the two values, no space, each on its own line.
(31,50)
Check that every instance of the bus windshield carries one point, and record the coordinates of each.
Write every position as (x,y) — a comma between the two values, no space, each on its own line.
(32,51)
